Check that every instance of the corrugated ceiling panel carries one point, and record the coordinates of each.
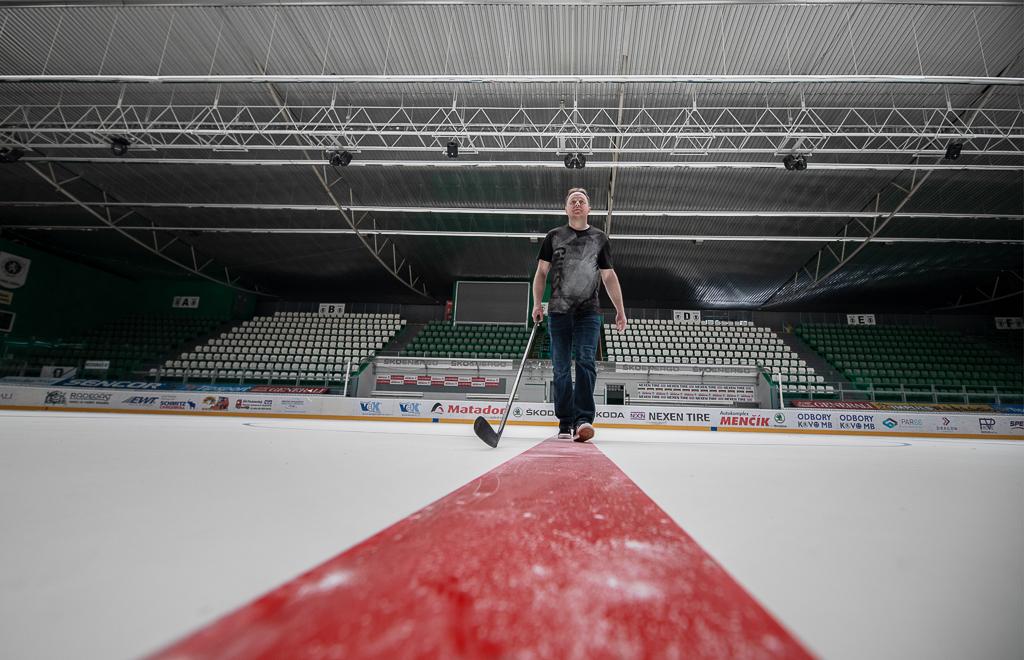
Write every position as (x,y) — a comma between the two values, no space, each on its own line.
(520,39)
(135,46)
(34,31)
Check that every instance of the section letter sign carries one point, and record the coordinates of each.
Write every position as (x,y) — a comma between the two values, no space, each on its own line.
(1009,323)
(185,302)
(332,309)
(686,315)
(860,319)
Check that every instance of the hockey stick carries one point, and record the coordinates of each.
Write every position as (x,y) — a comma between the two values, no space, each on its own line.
(481,426)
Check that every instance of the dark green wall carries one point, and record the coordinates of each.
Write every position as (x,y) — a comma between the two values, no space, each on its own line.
(215,301)
(61,299)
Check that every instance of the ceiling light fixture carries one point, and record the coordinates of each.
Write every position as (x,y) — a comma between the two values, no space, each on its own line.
(340,158)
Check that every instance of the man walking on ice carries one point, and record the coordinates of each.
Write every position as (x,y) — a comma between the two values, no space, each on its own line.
(579,258)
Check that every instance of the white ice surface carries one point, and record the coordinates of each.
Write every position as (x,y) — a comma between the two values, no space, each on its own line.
(120,533)
(863,547)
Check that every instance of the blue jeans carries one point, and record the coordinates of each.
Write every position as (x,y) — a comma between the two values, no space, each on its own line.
(574,405)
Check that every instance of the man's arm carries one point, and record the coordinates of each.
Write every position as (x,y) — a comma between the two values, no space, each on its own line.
(611,285)
(540,278)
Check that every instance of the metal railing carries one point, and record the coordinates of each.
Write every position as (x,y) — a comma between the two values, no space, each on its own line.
(341,378)
(902,393)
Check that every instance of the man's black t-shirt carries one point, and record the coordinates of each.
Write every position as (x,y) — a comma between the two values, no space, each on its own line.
(576,257)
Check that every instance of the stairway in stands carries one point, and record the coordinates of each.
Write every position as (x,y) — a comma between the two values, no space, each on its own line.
(808,354)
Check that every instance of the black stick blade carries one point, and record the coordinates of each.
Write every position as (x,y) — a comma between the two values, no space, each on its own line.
(485,432)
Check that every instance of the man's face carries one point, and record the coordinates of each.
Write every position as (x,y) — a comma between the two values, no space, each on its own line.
(577,206)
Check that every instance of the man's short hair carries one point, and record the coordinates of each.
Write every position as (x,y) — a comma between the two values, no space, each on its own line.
(576,190)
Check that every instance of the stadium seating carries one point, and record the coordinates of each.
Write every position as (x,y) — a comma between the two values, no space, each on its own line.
(288,347)
(129,344)
(542,344)
(1007,342)
(914,358)
(443,339)
(662,341)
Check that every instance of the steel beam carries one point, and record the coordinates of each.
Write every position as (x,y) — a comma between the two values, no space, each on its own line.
(531,164)
(394,257)
(670,131)
(202,4)
(861,234)
(539,212)
(377,250)
(518,79)
(973,298)
(51,178)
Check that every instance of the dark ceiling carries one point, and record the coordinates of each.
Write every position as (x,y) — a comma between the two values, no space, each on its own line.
(690,229)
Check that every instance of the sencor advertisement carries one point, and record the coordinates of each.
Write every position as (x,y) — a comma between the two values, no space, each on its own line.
(187,387)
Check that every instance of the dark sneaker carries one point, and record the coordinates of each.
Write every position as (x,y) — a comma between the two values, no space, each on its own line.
(584,432)
(564,432)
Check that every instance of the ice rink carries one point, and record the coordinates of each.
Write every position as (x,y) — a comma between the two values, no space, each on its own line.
(125,533)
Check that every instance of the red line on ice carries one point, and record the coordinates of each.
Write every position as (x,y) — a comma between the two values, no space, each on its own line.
(553,554)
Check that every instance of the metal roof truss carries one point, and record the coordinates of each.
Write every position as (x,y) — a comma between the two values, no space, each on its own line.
(670,132)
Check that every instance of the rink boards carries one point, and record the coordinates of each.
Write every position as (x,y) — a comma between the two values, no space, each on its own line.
(846,422)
